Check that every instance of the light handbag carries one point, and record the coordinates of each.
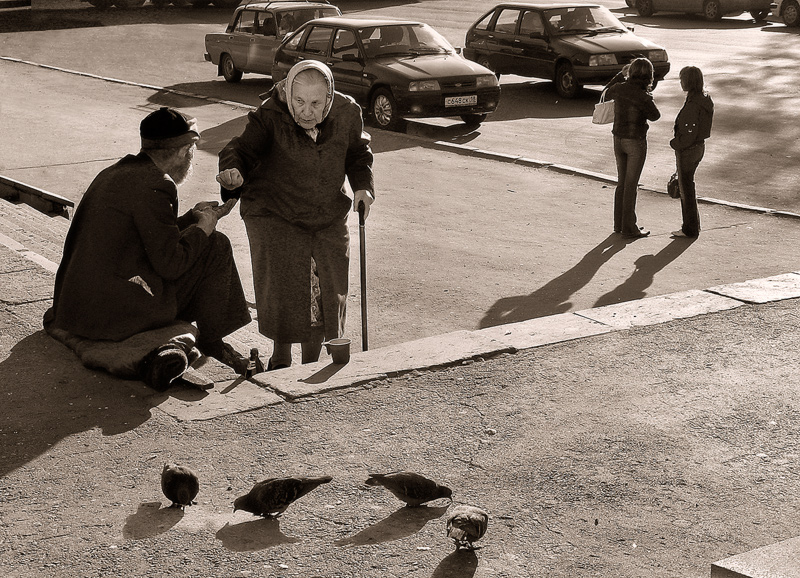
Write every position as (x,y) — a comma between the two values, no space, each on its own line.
(603,110)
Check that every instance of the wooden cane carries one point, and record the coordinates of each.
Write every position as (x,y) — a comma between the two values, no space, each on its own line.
(363,263)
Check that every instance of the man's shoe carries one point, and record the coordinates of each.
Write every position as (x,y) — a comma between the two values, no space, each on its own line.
(162,366)
(641,233)
(226,354)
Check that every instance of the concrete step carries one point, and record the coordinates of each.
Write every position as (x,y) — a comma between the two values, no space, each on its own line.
(779,560)
(37,233)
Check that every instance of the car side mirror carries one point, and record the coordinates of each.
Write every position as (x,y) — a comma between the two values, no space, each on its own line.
(629,28)
(350,57)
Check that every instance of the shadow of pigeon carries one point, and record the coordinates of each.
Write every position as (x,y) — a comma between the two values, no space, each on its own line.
(458,564)
(253,535)
(401,523)
(150,520)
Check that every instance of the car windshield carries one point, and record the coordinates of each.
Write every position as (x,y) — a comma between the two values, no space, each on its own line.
(403,39)
(588,20)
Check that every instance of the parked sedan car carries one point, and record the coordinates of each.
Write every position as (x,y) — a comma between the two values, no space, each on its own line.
(395,69)
(712,10)
(788,11)
(572,44)
(255,31)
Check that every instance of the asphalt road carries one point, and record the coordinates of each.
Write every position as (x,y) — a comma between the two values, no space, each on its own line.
(750,70)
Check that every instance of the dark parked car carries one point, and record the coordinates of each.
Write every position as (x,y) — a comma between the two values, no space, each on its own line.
(393,68)
(255,31)
(712,10)
(572,44)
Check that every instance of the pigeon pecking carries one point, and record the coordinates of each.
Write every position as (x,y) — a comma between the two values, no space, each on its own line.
(271,497)
(413,489)
(466,524)
(180,485)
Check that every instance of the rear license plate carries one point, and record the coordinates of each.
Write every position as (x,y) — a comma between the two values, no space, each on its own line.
(469,100)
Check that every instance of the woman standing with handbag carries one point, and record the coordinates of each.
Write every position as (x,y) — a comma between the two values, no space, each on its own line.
(633,107)
(692,127)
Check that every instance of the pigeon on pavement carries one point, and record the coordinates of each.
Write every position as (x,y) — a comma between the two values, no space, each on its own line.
(413,489)
(466,524)
(271,497)
(180,485)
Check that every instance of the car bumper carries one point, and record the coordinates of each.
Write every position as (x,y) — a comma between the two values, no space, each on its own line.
(433,104)
(602,74)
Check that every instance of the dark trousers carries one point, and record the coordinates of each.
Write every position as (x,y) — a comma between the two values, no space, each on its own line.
(630,154)
(210,293)
(687,161)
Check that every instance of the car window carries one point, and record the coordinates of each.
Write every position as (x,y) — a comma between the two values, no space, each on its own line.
(318,40)
(266,25)
(344,43)
(483,23)
(247,21)
(403,39)
(582,19)
(507,21)
(531,22)
(294,41)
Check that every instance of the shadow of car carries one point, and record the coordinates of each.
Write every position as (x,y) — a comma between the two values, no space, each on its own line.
(255,32)
(711,10)
(571,44)
(394,69)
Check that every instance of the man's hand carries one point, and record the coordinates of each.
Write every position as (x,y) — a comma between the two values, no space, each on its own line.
(206,219)
(364,196)
(225,208)
(230,179)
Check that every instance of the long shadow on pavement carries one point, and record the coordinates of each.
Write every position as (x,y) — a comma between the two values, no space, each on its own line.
(646,267)
(399,524)
(553,297)
(48,395)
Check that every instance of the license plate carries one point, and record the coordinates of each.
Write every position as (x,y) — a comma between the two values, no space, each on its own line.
(469,100)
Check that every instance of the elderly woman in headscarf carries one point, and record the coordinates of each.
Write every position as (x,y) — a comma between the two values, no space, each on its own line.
(288,168)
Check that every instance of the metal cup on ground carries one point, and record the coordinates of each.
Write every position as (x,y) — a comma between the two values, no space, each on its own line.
(339,350)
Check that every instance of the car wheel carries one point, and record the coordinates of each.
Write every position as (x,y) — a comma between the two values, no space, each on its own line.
(229,71)
(473,120)
(225,3)
(566,82)
(644,7)
(383,110)
(128,3)
(101,4)
(484,61)
(791,14)
(200,3)
(759,15)
(712,10)
(160,3)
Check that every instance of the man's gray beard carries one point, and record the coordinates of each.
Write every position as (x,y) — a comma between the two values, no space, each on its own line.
(182,173)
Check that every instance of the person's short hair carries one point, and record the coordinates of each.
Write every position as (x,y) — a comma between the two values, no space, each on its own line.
(168,128)
(692,78)
(641,72)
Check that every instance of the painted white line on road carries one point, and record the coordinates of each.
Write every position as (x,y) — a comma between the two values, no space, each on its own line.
(454,147)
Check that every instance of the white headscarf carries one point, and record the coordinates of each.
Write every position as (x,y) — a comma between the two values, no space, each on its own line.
(289,84)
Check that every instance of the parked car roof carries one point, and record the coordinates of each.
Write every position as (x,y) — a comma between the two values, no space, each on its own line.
(362,22)
(542,6)
(281,3)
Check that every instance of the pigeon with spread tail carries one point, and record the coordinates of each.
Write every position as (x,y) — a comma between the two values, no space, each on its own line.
(271,497)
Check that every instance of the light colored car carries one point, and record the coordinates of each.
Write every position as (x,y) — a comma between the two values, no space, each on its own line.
(255,32)
(712,10)
(788,11)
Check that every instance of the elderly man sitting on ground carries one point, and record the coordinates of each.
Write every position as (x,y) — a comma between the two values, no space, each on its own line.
(131,266)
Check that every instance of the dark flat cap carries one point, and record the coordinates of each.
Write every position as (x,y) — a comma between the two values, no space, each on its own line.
(168,128)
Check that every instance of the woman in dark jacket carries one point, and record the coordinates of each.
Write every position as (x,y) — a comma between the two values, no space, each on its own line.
(633,107)
(289,167)
(692,127)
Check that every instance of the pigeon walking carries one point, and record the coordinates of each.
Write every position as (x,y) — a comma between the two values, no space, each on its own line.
(465,525)
(180,485)
(271,497)
(413,489)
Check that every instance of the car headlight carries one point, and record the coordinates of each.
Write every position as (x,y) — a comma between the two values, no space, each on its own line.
(486,80)
(657,56)
(423,85)
(602,59)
